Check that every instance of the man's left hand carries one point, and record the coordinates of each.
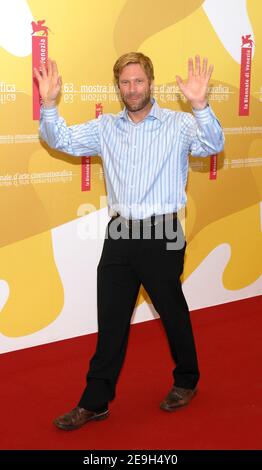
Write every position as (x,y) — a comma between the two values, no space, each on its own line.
(196,85)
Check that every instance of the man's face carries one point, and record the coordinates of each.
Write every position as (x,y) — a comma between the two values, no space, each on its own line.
(135,88)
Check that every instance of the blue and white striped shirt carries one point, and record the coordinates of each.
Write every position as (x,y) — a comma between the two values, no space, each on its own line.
(145,164)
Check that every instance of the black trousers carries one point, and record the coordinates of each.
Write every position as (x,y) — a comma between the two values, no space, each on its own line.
(125,264)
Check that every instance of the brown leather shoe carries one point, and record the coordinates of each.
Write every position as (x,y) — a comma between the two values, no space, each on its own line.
(77,417)
(177,397)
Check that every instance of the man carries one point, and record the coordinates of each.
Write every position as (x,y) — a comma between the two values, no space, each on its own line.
(144,150)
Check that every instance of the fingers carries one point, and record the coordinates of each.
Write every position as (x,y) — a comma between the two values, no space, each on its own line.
(207,72)
(210,71)
(37,75)
(180,82)
(42,70)
(49,68)
(204,67)
(204,71)
(41,73)
(54,69)
(197,65)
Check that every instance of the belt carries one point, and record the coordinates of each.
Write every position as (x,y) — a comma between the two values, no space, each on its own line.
(149,221)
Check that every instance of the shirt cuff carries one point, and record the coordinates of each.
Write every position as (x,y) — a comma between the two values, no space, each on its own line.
(49,114)
(204,116)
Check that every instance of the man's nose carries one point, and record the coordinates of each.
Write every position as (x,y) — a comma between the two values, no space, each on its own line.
(132,87)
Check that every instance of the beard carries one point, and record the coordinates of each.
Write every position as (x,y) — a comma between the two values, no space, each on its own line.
(135,102)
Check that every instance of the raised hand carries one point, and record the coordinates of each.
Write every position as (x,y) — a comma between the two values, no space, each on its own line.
(49,82)
(196,85)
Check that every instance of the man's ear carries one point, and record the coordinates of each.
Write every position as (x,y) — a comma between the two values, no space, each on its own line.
(152,84)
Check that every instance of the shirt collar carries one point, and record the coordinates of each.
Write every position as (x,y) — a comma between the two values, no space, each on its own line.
(154,113)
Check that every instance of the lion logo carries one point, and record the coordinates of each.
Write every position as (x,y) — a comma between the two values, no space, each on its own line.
(39,26)
(247,42)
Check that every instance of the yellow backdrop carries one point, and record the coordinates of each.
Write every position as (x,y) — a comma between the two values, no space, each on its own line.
(47,261)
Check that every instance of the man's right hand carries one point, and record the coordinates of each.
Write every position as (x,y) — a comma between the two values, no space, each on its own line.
(49,82)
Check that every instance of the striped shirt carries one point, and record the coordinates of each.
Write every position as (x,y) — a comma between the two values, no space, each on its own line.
(146,163)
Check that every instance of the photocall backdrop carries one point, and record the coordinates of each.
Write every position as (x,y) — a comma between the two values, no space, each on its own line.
(53,206)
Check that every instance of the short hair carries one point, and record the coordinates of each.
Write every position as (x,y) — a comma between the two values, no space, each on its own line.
(134,58)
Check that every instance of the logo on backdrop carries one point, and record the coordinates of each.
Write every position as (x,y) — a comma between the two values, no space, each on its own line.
(213,167)
(39,54)
(39,26)
(245,74)
(86,165)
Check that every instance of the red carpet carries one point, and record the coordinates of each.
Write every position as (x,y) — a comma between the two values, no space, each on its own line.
(37,384)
